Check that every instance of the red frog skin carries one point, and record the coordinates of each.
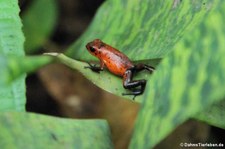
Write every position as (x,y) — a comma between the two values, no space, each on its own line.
(118,64)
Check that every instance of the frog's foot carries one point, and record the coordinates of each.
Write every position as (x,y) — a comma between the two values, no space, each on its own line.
(134,94)
(93,67)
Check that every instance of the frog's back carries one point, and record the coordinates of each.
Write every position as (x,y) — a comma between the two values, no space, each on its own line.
(115,61)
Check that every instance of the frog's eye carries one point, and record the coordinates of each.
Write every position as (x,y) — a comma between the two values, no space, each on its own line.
(92,49)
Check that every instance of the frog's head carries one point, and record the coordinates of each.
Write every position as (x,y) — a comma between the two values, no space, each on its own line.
(94,46)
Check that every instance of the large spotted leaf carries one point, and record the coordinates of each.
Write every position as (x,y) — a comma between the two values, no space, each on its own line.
(26,130)
(187,82)
(142,30)
(213,114)
(12,97)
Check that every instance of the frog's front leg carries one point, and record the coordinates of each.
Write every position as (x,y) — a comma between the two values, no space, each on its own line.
(95,68)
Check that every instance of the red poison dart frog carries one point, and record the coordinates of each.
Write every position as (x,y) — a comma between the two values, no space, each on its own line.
(118,64)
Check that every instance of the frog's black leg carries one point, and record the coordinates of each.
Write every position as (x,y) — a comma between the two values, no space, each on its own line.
(95,68)
(140,67)
(128,83)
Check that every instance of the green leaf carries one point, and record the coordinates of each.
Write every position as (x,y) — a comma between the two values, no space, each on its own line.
(12,67)
(38,23)
(143,30)
(187,82)
(104,78)
(13,63)
(23,130)
(11,43)
(213,115)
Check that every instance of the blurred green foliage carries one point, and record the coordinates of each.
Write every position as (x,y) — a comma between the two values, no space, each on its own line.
(39,21)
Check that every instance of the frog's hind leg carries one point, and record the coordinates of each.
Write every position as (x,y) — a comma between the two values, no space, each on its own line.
(140,67)
(132,85)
